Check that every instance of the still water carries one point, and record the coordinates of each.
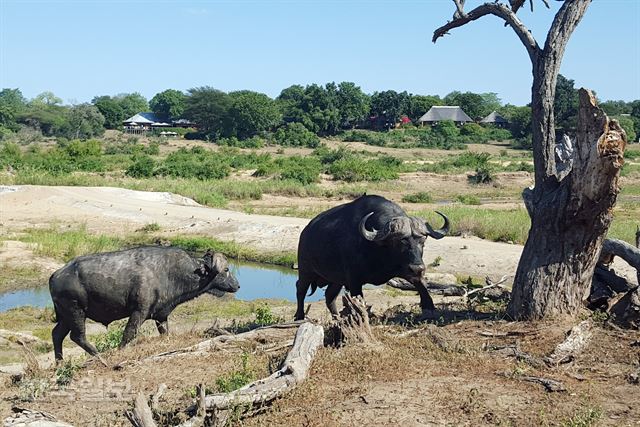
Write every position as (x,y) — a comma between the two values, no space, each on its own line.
(256,281)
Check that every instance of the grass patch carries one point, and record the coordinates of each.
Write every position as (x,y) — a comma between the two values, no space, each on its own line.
(12,277)
(207,306)
(585,417)
(499,225)
(29,318)
(468,199)
(68,244)
(420,197)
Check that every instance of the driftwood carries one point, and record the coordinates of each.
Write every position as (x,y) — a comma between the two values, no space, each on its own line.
(455,290)
(141,415)
(23,417)
(295,369)
(576,341)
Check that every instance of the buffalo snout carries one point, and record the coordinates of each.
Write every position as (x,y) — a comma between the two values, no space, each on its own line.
(415,272)
(224,282)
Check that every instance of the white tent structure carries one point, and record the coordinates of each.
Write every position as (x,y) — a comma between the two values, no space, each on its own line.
(439,113)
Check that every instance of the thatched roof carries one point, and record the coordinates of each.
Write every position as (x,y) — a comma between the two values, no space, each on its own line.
(494,118)
(144,118)
(445,112)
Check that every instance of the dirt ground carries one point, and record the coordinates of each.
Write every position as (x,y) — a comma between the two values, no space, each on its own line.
(446,377)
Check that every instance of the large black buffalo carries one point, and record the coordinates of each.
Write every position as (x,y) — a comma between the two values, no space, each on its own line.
(141,283)
(369,240)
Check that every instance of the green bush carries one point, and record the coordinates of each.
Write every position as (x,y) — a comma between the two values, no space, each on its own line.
(111,339)
(296,135)
(142,167)
(77,148)
(420,197)
(468,199)
(447,129)
(195,163)
(236,379)
(153,149)
(304,170)
(483,175)
(351,169)
(472,129)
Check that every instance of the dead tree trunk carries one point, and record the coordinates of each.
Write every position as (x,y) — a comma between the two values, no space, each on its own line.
(570,203)
(569,219)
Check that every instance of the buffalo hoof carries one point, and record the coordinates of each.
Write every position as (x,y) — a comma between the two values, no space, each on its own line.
(428,315)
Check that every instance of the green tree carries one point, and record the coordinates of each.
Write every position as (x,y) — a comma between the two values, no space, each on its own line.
(565,104)
(252,112)
(46,98)
(615,108)
(353,104)
(471,103)
(132,103)
(12,103)
(389,106)
(208,108)
(83,121)
(420,104)
(168,104)
(290,102)
(111,110)
(635,113)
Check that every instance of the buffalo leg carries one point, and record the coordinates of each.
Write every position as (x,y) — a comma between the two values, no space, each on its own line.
(302,286)
(59,333)
(330,296)
(163,326)
(78,336)
(426,303)
(131,330)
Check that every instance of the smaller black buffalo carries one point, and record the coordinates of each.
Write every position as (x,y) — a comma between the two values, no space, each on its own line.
(370,240)
(141,283)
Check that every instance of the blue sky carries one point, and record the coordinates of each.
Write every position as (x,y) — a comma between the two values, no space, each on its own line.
(80,49)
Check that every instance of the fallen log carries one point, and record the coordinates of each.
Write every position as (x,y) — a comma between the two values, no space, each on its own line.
(577,340)
(622,249)
(295,369)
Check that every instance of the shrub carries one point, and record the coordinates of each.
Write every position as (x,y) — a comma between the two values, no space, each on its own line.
(236,379)
(77,148)
(471,160)
(153,149)
(196,163)
(66,372)
(483,175)
(296,135)
(468,199)
(142,167)
(304,170)
(447,129)
(253,142)
(420,197)
(472,129)
(111,339)
(265,317)
(351,169)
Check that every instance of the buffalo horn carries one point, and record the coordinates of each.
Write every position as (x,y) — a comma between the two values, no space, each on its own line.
(369,235)
(440,233)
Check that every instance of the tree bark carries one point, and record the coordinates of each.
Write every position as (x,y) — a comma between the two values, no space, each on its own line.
(569,221)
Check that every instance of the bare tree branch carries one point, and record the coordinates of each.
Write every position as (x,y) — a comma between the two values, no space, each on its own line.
(565,21)
(497,9)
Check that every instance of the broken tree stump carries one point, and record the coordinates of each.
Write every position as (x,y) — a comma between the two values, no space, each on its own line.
(353,324)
